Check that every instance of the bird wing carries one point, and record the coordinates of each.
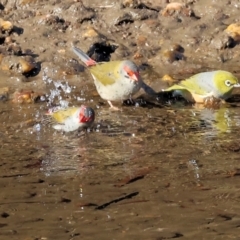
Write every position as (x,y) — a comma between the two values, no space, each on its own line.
(106,72)
(195,84)
(61,115)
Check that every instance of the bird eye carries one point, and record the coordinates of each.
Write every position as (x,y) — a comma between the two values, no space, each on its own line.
(130,72)
(228,83)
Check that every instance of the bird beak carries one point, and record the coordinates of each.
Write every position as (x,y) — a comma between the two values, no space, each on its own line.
(237,85)
(135,76)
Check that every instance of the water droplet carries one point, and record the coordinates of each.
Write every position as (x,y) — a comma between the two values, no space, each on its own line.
(37,127)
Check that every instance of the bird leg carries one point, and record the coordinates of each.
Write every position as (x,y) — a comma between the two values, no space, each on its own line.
(212,102)
(113,107)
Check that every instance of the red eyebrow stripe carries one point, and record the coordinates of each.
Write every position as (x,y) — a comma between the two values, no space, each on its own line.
(129,71)
(126,68)
(132,74)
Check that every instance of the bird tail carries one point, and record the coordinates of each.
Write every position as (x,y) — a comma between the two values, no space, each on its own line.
(83,56)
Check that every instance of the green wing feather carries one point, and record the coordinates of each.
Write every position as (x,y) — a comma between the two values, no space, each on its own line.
(106,72)
(191,84)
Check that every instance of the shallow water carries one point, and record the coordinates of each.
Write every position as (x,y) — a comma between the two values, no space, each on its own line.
(152,173)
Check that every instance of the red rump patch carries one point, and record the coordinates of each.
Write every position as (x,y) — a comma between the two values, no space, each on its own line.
(53,110)
(90,62)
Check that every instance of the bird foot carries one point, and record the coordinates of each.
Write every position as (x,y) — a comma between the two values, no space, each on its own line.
(212,102)
(113,107)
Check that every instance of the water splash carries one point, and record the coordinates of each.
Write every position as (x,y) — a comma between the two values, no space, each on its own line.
(194,165)
(57,89)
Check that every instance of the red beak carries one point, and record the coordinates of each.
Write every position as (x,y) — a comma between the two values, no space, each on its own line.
(133,75)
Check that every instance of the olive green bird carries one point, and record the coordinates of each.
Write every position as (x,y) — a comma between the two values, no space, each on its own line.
(115,80)
(72,118)
(218,84)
